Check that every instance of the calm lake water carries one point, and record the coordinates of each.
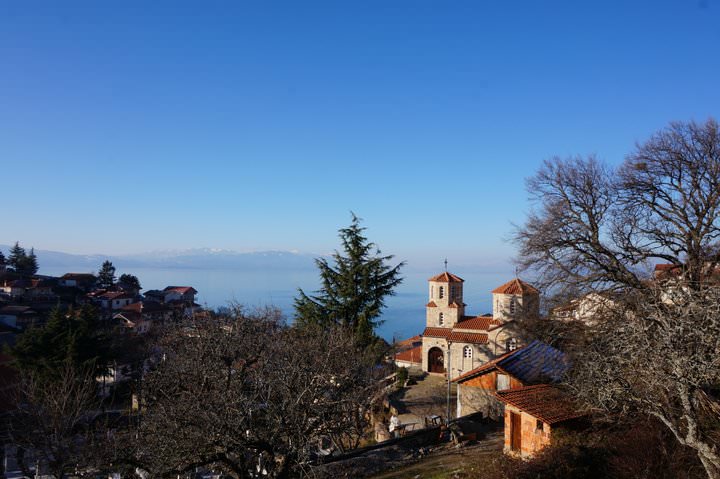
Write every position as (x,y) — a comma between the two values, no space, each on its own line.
(404,315)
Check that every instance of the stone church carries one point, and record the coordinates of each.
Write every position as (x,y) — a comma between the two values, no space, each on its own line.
(453,343)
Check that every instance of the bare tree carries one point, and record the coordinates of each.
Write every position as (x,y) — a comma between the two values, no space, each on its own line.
(654,350)
(597,227)
(660,358)
(249,396)
(56,419)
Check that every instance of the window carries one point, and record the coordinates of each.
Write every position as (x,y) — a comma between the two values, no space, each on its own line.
(442,292)
(502,382)
(512,305)
(432,291)
(511,344)
(539,425)
(467,352)
(441,319)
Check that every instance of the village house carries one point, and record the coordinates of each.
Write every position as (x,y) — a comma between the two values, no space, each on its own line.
(113,300)
(15,288)
(83,281)
(408,353)
(18,316)
(535,363)
(532,413)
(453,343)
(179,293)
(141,316)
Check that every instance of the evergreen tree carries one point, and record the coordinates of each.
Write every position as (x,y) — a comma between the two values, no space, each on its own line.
(130,281)
(69,337)
(22,263)
(353,289)
(106,275)
(3,261)
(30,264)
(17,256)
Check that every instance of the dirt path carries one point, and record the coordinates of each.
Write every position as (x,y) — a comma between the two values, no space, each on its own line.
(426,398)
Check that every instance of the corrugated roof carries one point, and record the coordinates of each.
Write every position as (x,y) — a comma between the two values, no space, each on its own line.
(447,278)
(543,401)
(532,364)
(516,286)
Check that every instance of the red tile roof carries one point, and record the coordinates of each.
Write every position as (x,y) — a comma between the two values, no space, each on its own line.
(447,278)
(474,338)
(515,286)
(543,401)
(482,323)
(85,276)
(431,304)
(413,355)
(408,343)
(437,332)
(116,295)
(181,289)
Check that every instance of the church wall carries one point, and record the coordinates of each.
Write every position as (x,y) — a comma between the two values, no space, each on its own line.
(525,306)
(429,343)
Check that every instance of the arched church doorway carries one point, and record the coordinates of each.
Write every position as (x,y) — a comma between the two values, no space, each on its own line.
(436,360)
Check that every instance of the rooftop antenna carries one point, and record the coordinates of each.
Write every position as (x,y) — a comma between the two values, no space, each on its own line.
(446,265)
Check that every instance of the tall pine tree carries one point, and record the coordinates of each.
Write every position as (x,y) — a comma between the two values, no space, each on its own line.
(106,275)
(354,287)
(16,257)
(69,337)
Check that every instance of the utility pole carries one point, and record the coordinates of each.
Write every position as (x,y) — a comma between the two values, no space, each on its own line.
(449,368)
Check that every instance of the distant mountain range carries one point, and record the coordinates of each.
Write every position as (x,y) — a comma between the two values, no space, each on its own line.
(201,258)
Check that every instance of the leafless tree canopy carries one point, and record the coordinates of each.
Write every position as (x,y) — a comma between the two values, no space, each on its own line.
(660,358)
(654,348)
(58,420)
(245,393)
(597,227)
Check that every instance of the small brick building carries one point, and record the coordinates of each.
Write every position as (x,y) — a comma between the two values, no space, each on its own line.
(532,413)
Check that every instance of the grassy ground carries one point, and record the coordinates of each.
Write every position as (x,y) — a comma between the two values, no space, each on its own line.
(451,462)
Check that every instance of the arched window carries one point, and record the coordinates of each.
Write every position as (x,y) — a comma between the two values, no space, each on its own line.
(442,292)
(467,352)
(441,319)
(512,305)
(511,344)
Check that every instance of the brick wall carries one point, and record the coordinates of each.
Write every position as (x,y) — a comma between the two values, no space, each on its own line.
(532,439)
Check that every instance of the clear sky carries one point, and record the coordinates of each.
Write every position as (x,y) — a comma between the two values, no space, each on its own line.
(131,126)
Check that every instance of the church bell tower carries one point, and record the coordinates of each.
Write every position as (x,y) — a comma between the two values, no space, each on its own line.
(445,306)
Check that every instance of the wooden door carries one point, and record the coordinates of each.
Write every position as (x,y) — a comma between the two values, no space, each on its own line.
(515,431)
(436,361)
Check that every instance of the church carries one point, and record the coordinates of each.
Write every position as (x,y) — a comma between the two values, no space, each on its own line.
(453,343)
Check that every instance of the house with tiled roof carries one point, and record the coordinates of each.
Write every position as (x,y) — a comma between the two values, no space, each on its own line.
(84,281)
(140,317)
(179,293)
(454,343)
(532,413)
(536,363)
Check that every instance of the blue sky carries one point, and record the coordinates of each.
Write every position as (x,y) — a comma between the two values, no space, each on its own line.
(134,126)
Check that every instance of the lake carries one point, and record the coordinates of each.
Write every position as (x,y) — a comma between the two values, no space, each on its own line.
(403,317)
